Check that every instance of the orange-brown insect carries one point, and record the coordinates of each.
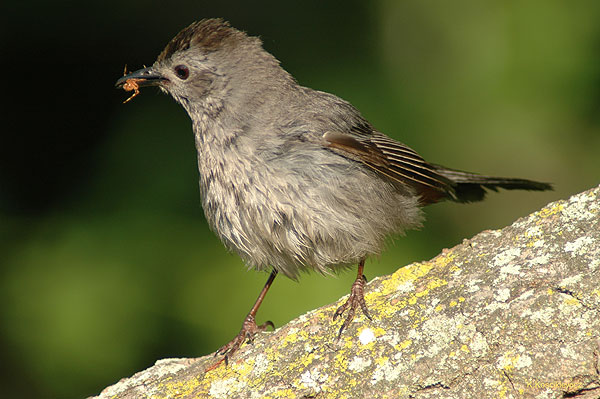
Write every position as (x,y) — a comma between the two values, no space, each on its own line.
(131,85)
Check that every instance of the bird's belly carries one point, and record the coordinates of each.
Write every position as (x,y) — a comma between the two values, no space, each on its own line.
(318,218)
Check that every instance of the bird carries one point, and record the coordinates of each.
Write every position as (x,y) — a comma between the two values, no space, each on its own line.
(294,179)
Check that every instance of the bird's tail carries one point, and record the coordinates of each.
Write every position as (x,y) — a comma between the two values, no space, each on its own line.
(471,187)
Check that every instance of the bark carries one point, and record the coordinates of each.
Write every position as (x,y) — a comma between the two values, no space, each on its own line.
(509,313)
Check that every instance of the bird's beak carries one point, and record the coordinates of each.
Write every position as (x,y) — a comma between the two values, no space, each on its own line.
(142,78)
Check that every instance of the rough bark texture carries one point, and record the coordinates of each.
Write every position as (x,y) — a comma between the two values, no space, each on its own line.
(509,313)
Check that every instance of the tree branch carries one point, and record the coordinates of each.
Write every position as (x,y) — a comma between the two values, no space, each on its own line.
(512,312)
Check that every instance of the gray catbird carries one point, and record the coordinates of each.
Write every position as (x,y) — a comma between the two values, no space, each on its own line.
(291,178)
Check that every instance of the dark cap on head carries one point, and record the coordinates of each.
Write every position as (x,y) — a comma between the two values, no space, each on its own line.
(208,34)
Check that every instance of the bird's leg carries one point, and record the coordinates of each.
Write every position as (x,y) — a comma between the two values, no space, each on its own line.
(356,299)
(249,327)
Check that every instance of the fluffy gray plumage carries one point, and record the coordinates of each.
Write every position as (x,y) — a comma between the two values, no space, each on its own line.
(293,178)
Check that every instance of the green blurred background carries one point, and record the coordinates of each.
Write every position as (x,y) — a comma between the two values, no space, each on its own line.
(106,262)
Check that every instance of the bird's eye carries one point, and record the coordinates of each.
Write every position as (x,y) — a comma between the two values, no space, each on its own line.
(182,72)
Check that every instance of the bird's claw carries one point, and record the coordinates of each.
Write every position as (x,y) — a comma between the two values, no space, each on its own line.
(246,334)
(356,299)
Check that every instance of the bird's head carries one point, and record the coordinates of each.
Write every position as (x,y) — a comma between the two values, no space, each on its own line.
(208,63)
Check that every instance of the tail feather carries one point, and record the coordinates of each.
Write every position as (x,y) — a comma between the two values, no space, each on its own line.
(471,187)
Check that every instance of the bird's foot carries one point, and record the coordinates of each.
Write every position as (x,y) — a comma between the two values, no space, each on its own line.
(356,299)
(246,334)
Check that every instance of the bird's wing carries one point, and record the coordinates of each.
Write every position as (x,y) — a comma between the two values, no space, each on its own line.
(392,159)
